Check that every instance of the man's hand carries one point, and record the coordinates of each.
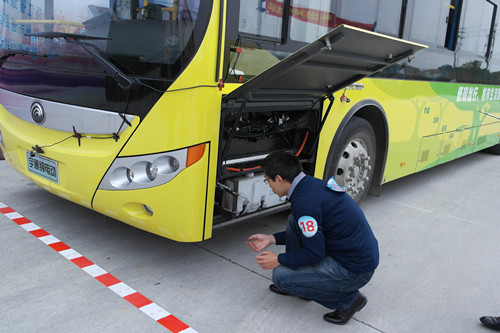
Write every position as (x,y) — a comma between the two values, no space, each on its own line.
(259,242)
(268,260)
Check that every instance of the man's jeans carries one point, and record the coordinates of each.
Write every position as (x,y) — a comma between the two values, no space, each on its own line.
(327,283)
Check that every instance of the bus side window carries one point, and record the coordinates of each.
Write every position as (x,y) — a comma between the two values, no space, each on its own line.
(311,19)
(252,36)
(475,34)
(390,17)
(263,21)
(434,14)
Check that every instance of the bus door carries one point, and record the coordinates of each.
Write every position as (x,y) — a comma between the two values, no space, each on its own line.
(285,107)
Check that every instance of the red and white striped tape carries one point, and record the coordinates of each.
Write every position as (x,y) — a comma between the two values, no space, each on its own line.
(143,303)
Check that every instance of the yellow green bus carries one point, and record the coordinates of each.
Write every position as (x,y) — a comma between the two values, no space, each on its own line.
(158,113)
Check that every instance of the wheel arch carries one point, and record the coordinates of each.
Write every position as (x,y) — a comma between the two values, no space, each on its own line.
(374,113)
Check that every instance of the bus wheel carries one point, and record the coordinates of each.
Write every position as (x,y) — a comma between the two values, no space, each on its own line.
(1,155)
(352,160)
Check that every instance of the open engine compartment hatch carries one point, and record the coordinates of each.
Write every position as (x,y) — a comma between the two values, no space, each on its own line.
(339,58)
(282,109)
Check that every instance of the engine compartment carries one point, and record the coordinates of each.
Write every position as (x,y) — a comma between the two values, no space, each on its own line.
(248,134)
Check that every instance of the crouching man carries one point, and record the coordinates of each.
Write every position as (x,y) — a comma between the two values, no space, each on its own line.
(330,251)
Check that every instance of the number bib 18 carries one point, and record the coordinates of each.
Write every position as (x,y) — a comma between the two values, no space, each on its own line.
(308,226)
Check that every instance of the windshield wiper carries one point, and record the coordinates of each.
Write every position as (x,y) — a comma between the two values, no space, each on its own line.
(124,81)
(65,35)
(10,53)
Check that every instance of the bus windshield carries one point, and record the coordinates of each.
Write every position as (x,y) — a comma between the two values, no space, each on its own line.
(62,43)
(135,37)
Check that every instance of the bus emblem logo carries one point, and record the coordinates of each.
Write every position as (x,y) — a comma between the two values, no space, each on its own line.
(37,113)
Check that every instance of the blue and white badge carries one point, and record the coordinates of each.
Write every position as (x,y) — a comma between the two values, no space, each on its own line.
(332,185)
(308,226)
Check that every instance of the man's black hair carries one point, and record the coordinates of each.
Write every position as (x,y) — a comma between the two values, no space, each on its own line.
(281,163)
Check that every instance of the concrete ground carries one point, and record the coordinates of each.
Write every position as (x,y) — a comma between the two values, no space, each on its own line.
(438,232)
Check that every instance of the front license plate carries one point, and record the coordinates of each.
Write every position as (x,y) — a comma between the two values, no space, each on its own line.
(43,166)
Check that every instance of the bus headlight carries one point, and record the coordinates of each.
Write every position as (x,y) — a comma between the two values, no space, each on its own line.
(166,164)
(130,175)
(143,172)
(136,172)
(151,171)
(121,177)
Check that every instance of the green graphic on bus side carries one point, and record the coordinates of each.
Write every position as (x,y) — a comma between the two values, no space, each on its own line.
(451,119)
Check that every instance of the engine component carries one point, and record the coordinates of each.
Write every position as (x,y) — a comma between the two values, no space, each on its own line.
(248,194)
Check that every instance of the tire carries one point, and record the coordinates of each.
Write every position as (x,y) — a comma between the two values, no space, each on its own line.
(352,160)
(494,149)
(1,155)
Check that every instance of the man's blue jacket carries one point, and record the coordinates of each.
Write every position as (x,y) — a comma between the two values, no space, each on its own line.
(331,223)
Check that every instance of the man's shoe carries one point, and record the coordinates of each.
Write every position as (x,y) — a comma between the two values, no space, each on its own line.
(491,322)
(341,317)
(277,290)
